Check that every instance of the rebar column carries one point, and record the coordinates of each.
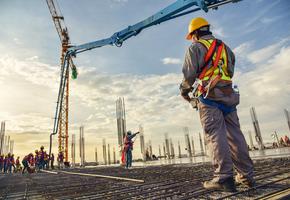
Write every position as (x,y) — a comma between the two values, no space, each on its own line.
(192,146)
(96,155)
(73,150)
(121,122)
(179,150)
(201,145)
(167,145)
(258,135)
(142,143)
(109,155)
(287,118)
(104,152)
(2,137)
(187,141)
(251,140)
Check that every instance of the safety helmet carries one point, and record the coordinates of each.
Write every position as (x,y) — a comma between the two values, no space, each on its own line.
(36,151)
(42,147)
(129,133)
(195,24)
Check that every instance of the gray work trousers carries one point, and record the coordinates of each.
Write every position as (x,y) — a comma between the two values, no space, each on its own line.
(226,143)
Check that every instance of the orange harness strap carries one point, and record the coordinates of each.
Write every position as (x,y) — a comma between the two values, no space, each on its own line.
(215,65)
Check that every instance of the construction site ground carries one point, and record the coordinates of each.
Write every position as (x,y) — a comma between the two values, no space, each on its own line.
(177,181)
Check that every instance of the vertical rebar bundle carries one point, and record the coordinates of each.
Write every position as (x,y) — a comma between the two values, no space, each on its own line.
(73,150)
(287,117)
(142,143)
(11,146)
(159,151)
(172,149)
(7,144)
(179,150)
(82,146)
(164,151)
(114,155)
(121,120)
(5,147)
(96,155)
(109,155)
(150,148)
(104,152)
(192,146)
(187,141)
(167,145)
(201,145)
(2,137)
(275,135)
(258,135)
(251,140)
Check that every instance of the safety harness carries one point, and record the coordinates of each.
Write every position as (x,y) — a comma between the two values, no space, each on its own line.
(214,70)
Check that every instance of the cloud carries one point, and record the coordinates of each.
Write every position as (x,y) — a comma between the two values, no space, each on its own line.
(267,52)
(120,1)
(219,31)
(243,49)
(171,61)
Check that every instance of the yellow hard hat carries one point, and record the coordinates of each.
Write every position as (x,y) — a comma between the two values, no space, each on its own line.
(195,24)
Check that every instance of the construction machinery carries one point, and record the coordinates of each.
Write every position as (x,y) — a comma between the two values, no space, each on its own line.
(177,9)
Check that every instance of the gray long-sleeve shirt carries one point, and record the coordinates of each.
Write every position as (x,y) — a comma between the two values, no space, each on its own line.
(194,61)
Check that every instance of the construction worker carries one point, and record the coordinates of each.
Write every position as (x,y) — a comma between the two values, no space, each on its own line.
(128,147)
(60,159)
(37,160)
(208,68)
(12,164)
(1,163)
(52,161)
(41,154)
(17,164)
(26,162)
(5,164)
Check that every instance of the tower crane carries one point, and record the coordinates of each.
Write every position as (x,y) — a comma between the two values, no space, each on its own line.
(62,119)
(177,9)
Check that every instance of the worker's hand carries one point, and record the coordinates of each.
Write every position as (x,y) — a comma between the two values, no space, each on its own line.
(184,93)
(137,132)
(185,89)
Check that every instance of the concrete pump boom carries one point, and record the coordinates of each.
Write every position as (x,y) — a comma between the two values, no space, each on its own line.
(176,9)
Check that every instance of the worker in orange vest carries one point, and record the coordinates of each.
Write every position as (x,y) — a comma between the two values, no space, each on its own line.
(208,69)
(128,148)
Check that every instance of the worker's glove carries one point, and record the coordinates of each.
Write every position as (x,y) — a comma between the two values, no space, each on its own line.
(184,91)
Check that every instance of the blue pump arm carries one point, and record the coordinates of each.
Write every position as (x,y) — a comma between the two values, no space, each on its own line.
(176,9)
(172,11)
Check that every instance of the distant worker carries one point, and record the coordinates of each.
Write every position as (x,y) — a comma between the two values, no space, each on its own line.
(46,160)
(52,161)
(60,159)
(128,147)
(5,164)
(26,162)
(1,163)
(37,160)
(208,69)
(41,155)
(17,164)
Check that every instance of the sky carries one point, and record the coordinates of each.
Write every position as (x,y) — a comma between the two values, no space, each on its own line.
(146,70)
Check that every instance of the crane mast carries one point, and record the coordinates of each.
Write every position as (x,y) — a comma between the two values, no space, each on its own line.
(62,31)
